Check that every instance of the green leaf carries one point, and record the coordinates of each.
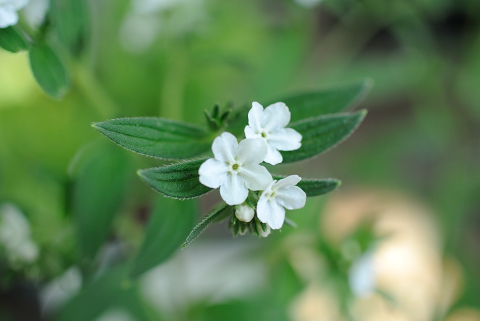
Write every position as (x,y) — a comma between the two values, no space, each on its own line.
(310,104)
(156,137)
(322,133)
(71,22)
(169,225)
(177,180)
(48,70)
(99,186)
(315,187)
(216,215)
(12,39)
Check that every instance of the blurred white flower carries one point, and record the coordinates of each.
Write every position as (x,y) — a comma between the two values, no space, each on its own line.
(8,12)
(361,276)
(269,124)
(116,314)
(56,293)
(149,19)
(244,213)
(235,168)
(15,236)
(278,196)
(308,3)
(34,12)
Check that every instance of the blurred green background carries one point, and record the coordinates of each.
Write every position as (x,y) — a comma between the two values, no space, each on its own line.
(410,173)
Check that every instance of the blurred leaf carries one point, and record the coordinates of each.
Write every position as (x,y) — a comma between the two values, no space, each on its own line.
(156,137)
(177,180)
(98,191)
(311,104)
(12,39)
(48,70)
(322,133)
(215,215)
(169,225)
(71,21)
(108,291)
(315,187)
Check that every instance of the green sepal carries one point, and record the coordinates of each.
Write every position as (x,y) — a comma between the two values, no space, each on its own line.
(218,213)
(157,137)
(13,40)
(322,133)
(49,70)
(252,199)
(180,180)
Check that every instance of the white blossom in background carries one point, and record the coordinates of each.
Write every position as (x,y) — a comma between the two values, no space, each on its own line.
(15,236)
(269,124)
(278,196)
(308,3)
(244,213)
(116,314)
(35,11)
(60,290)
(361,276)
(8,12)
(235,168)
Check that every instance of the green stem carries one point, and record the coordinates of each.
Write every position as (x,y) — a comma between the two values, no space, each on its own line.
(94,91)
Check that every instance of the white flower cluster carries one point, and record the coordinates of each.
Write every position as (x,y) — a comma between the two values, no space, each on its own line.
(236,167)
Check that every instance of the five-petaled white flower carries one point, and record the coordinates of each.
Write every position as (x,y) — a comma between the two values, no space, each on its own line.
(269,124)
(235,168)
(8,11)
(278,196)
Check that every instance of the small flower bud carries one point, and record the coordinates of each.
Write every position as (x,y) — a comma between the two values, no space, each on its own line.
(244,213)
(261,231)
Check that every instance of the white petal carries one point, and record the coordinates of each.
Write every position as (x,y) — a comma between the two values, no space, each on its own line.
(270,212)
(273,156)
(289,180)
(233,190)
(291,197)
(256,177)
(251,133)
(8,17)
(252,151)
(213,173)
(255,117)
(285,139)
(224,147)
(275,116)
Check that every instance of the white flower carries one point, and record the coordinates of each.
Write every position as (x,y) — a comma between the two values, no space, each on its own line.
(15,236)
(235,168)
(8,11)
(278,196)
(361,276)
(269,124)
(244,213)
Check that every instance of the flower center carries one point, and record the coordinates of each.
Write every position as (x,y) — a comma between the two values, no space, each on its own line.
(264,134)
(235,167)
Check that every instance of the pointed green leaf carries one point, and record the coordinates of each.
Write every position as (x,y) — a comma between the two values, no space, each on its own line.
(219,213)
(71,22)
(177,180)
(310,104)
(99,186)
(315,187)
(169,225)
(12,39)
(156,137)
(321,133)
(48,70)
